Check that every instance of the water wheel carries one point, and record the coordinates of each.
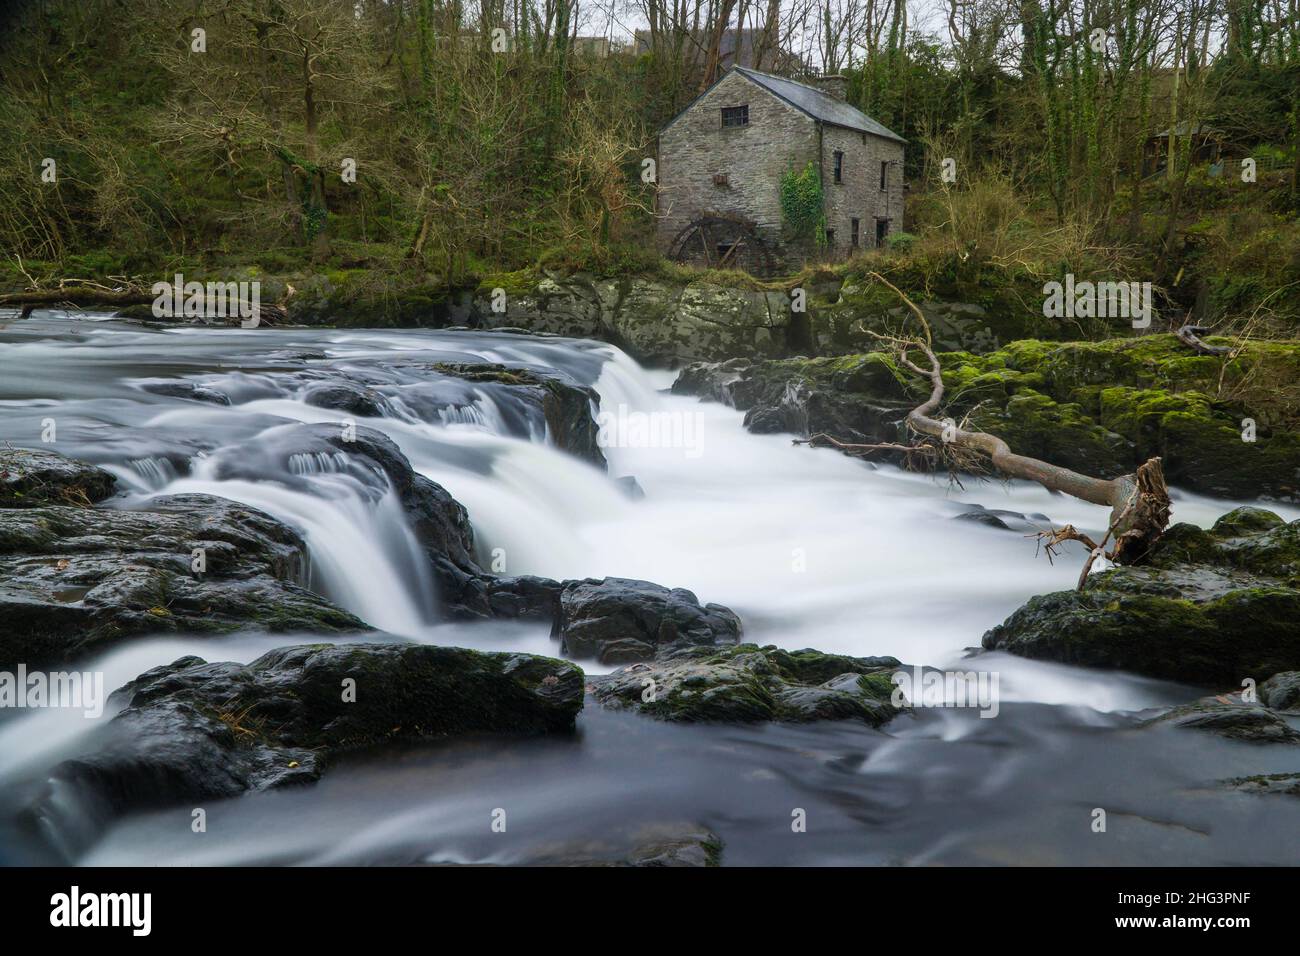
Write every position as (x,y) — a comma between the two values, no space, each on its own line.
(723,242)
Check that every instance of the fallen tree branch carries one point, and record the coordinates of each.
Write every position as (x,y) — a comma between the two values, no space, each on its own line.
(1190,335)
(821,440)
(1139,503)
(83,293)
(34,299)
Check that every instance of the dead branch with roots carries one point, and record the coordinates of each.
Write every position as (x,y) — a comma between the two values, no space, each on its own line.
(1139,502)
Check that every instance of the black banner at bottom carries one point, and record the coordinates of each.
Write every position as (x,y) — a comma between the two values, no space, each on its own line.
(344,904)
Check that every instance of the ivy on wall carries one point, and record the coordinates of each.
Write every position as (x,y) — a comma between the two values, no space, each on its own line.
(802,206)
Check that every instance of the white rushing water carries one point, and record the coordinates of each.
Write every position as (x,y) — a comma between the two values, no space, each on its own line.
(809,547)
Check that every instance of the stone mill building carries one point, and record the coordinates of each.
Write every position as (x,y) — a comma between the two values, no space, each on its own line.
(721,162)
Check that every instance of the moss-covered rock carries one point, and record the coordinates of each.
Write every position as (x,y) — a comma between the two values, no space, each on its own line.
(1211,607)
(748,684)
(1224,425)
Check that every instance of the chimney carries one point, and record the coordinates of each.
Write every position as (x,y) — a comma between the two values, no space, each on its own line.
(834,84)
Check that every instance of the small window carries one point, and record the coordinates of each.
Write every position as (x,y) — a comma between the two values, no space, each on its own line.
(839,166)
(735,116)
(853,238)
(884,175)
(830,238)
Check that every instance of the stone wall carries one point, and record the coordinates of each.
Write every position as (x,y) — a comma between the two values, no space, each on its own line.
(859,195)
(696,147)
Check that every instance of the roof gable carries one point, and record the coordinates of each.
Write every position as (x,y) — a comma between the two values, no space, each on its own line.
(810,101)
(820,106)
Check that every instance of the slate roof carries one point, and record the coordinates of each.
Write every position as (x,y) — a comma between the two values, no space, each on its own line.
(820,106)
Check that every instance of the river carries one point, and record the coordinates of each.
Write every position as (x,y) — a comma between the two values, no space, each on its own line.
(810,548)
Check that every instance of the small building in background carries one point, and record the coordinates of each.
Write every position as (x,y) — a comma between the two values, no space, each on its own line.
(721,162)
(1206,146)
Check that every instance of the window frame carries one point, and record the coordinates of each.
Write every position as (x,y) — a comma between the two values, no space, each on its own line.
(837,168)
(884,175)
(741,111)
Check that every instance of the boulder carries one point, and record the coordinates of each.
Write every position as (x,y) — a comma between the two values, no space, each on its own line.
(346,397)
(567,407)
(749,684)
(77,580)
(1210,607)
(33,478)
(193,731)
(1281,692)
(618,620)
(1230,717)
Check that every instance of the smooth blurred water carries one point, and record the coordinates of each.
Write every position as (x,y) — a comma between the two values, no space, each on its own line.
(811,548)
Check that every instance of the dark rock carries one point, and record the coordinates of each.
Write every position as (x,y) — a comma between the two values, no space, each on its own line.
(1230,718)
(1287,784)
(669,845)
(30,479)
(1003,520)
(1211,607)
(630,487)
(76,580)
(986,518)
(346,397)
(524,596)
(190,390)
(194,731)
(748,684)
(617,620)
(566,405)
(855,398)
(1281,692)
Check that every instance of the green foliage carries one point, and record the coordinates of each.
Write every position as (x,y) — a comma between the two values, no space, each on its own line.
(900,241)
(802,204)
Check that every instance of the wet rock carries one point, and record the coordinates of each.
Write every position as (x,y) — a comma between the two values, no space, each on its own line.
(193,731)
(617,620)
(568,407)
(1002,519)
(1230,717)
(440,522)
(1287,784)
(749,684)
(191,390)
(30,479)
(854,398)
(77,580)
(1211,607)
(659,845)
(345,397)
(630,487)
(656,320)
(1281,692)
